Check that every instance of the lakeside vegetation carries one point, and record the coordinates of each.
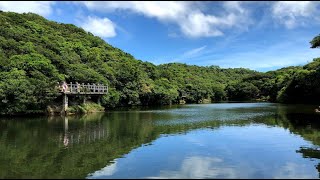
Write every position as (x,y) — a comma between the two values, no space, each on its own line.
(36,54)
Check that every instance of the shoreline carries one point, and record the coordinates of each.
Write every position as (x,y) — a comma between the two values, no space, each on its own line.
(46,113)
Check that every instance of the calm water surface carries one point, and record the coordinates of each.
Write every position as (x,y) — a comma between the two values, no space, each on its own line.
(223,140)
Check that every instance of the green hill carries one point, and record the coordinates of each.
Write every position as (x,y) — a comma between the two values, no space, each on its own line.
(36,54)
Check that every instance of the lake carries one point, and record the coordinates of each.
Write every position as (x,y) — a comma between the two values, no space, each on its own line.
(221,140)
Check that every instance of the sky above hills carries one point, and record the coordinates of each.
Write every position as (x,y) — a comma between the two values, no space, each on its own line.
(257,35)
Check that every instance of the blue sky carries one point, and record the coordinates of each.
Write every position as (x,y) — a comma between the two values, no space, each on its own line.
(257,35)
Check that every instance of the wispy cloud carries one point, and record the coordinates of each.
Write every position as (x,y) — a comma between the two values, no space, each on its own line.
(295,13)
(258,55)
(193,52)
(43,8)
(267,58)
(264,61)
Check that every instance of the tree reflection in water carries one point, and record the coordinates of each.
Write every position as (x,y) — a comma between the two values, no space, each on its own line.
(73,147)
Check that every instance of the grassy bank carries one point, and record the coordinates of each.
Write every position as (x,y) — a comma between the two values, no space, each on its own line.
(85,108)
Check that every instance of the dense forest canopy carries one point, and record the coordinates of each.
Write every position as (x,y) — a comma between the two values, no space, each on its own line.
(36,54)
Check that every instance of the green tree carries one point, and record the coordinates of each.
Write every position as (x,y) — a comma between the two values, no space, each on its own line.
(315,42)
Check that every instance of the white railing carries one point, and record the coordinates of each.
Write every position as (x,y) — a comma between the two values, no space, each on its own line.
(76,88)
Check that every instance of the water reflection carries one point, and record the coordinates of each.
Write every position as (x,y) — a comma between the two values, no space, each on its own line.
(293,171)
(107,144)
(106,171)
(197,167)
(85,135)
(66,138)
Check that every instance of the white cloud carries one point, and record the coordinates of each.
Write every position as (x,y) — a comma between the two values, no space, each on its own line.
(234,6)
(294,13)
(160,10)
(189,17)
(102,27)
(39,7)
(198,24)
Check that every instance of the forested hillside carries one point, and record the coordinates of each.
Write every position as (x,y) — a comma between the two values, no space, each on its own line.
(36,54)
